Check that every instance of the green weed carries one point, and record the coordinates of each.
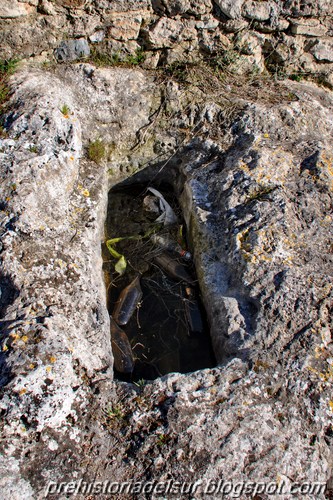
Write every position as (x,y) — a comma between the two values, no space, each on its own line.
(65,110)
(162,439)
(135,59)
(140,383)
(104,59)
(96,150)
(115,412)
(260,193)
(7,68)
(297,77)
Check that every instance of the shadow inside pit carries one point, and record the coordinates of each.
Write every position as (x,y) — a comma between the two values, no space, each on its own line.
(8,294)
(168,329)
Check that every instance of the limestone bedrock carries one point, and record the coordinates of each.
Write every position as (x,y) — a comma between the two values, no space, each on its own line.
(256,191)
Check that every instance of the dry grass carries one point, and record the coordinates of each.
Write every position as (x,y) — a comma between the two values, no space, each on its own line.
(223,86)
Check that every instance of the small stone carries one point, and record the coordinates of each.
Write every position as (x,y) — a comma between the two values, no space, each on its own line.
(308,27)
(97,37)
(250,43)
(10,9)
(165,33)
(323,50)
(208,23)
(30,2)
(47,8)
(231,8)
(235,25)
(200,8)
(175,7)
(124,25)
(280,25)
(159,462)
(151,60)
(72,50)
(74,4)
(213,44)
(328,79)
(260,11)
(52,445)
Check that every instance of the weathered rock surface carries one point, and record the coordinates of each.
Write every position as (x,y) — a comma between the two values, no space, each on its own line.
(323,50)
(255,182)
(309,27)
(11,9)
(230,8)
(260,11)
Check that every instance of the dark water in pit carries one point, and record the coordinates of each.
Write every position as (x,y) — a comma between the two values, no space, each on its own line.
(168,331)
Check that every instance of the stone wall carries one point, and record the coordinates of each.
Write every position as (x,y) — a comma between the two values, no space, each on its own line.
(286,37)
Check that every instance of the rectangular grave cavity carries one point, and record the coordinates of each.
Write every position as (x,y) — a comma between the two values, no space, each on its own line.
(158,322)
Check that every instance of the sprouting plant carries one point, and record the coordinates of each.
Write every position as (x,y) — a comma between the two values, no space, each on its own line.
(114,412)
(260,193)
(104,58)
(140,383)
(135,59)
(297,77)
(7,67)
(96,150)
(33,148)
(162,439)
(117,59)
(65,110)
